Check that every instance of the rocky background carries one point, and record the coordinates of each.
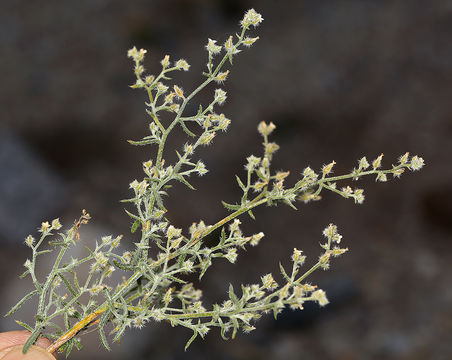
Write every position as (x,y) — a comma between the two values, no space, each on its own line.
(340,79)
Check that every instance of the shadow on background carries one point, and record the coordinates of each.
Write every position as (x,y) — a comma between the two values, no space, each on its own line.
(340,79)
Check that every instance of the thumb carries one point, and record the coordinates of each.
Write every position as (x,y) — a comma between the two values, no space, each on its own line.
(34,353)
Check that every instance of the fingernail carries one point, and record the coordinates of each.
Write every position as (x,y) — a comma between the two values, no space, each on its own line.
(34,353)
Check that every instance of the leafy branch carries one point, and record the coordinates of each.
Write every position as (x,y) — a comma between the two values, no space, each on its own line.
(155,285)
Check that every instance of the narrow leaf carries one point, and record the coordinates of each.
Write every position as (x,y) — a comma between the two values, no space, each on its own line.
(261,176)
(188,132)
(133,216)
(242,186)
(56,243)
(283,272)
(222,237)
(230,206)
(26,326)
(70,344)
(143,142)
(32,339)
(290,204)
(25,273)
(135,226)
(119,331)
(69,286)
(195,334)
(185,182)
(21,302)
(232,296)
(123,266)
(44,251)
(175,279)
(223,329)
(77,344)
(275,312)
(103,321)
(244,198)
(66,321)
(250,213)
(77,286)
(235,325)
(205,267)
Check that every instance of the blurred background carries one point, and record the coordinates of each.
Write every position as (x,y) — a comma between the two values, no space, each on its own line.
(340,79)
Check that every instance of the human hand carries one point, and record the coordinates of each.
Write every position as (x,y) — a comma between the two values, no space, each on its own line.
(11,344)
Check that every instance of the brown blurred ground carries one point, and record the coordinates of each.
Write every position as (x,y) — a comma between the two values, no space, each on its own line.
(340,79)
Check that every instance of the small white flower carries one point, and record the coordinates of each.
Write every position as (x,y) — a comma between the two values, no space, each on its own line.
(220,96)
(182,64)
(251,18)
(231,255)
(30,240)
(268,282)
(200,168)
(416,163)
(382,177)
(320,297)
(363,163)
(173,232)
(265,129)
(212,48)
(45,227)
(206,138)
(56,225)
(309,174)
(136,55)
(162,88)
(256,238)
(253,162)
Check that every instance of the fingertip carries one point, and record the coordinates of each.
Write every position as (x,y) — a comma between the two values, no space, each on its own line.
(34,353)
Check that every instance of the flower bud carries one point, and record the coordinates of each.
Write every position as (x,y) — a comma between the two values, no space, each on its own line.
(328,168)
(165,62)
(250,41)
(404,158)
(29,240)
(179,92)
(377,162)
(221,77)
